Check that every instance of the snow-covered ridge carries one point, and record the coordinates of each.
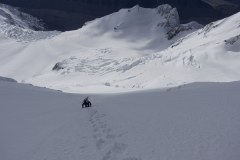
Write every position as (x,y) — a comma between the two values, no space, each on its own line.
(4,79)
(21,26)
(155,29)
(20,19)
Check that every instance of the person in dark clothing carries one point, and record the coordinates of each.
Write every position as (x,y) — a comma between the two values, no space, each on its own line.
(86,103)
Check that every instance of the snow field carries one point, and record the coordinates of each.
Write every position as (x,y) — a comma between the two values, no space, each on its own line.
(196,121)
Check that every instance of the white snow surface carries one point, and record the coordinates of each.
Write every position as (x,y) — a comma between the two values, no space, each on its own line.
(194,122)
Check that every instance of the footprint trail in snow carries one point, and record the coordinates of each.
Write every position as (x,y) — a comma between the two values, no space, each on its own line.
(107,143)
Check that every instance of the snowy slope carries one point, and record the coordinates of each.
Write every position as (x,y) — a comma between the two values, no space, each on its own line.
(192,122)
(21,26)
(132,49)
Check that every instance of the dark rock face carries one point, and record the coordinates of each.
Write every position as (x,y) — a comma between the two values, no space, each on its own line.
(232,40)
(186,27)
(58,66)
(72,14)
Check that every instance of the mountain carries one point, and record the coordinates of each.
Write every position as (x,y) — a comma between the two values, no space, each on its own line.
(72,14)
(108,48)
(136,48)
